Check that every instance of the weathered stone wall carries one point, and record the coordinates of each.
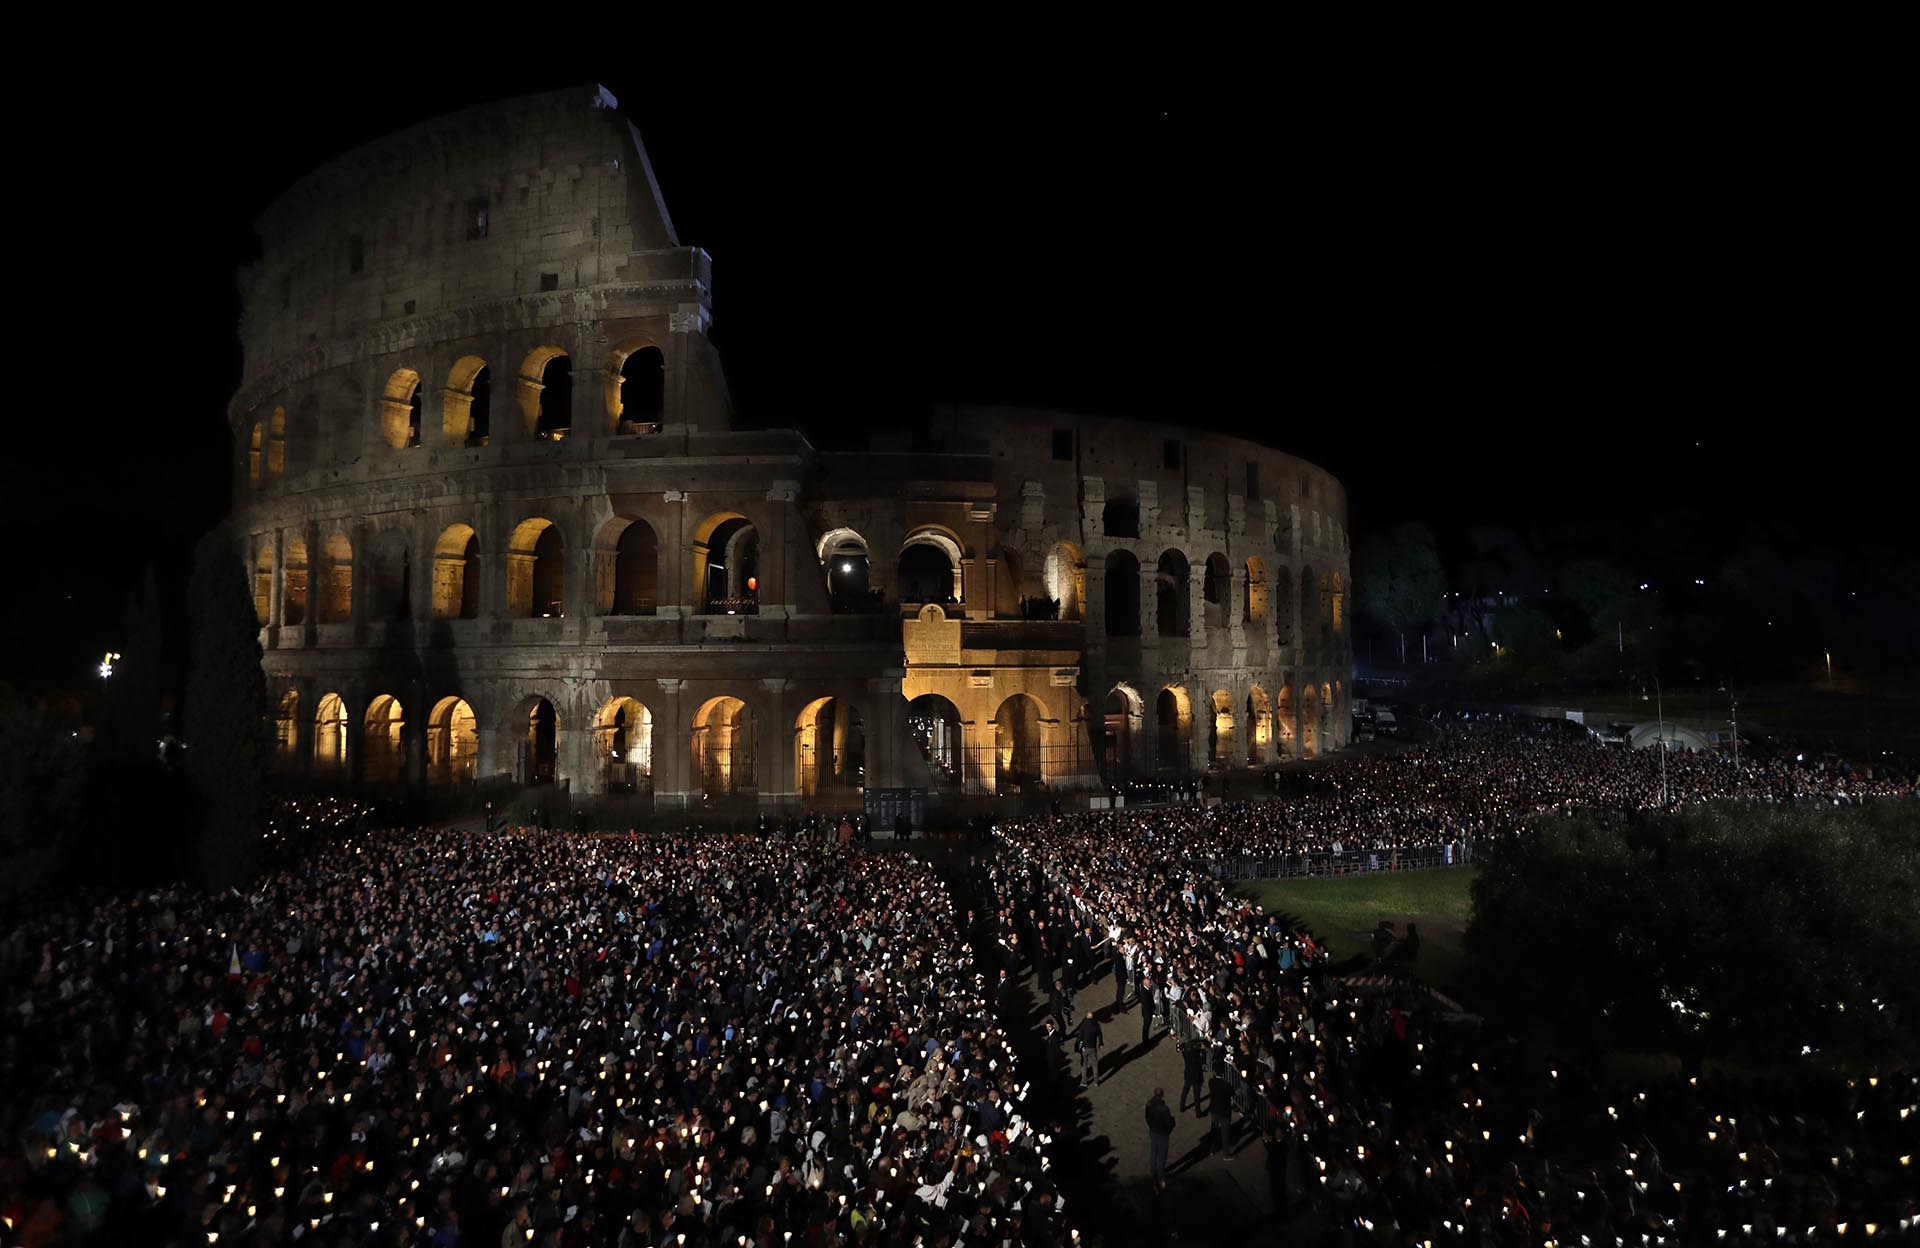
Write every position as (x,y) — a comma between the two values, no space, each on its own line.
(400,557)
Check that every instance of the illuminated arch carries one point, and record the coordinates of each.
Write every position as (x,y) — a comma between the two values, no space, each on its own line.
(1019,744)
(626,568)
(546,392)
(1065,574)
(726,565)
(829,747)
(330,734)
(1120,725)
(1259,731)
(723,747)
(636,386)
(929,568)
(1173,729)
(934,723)
(1309,721)
(847,562)
(286,728)
(400,409)
(1256,592)
(336,580)
(1337,606)
(277,443)
(384,742)
(623,745)
(453,743)
(1220,726)
(293,582)
(1284,721)
(263,583)
(466,405)
(256,434)
(456,573)
(536,570)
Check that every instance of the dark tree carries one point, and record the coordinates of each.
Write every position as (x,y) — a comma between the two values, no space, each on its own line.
(1745,931)
(226,703)
(1398,579)
(42,781)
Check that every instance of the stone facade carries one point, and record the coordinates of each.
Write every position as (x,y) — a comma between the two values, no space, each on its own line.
(499,523)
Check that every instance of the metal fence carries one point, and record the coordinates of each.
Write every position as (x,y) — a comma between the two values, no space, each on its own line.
(1346,862)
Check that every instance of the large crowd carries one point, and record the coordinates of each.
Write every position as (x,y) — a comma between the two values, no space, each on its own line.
(1480,780)
(1387,1120)
(420,1037)
(433,1037)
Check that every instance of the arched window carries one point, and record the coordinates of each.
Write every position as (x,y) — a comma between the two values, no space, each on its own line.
(1284,721)
(540,749)
(829,747)
(546,392)
(1018,745)
(929,569)
(726,565)
(330,734)
(626,568)
(286,729)
(623,744)
(1256,604)
(336,581)
(934,723)
(1220,751)
(1122,594)
(1338,605)
(536,571)
(256,434)
(385,741)
(1120,730)
(1172,595)
(723,747)
(456,574)
(1121,518)
(1259,726)
(1309,721)
(845,559)
(1218,590)
(293,583)
(1066,578)
(1173,721)
(639,387)
(400,409)
(453,743)
(466,407)
(1283,601)
(263,583)
(277,443)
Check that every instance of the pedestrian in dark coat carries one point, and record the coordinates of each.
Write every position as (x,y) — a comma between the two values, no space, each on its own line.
(1193,1055)
(1090,1039)
(1159,1136)
(1220,1101)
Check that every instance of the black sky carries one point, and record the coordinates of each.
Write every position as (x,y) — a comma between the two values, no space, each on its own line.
(1475,301)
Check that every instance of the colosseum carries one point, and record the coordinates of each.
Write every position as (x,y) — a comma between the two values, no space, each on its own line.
(500,525)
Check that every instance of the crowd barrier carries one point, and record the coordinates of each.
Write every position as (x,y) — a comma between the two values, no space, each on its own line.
(1326,862)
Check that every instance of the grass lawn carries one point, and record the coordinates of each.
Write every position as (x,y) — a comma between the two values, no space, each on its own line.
(1342,912)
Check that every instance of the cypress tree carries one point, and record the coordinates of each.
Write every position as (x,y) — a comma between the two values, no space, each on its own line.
(226,704)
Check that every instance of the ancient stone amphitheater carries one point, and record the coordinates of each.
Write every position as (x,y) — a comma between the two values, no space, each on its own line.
(499,524)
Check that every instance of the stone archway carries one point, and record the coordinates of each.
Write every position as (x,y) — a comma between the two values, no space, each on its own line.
(723,747)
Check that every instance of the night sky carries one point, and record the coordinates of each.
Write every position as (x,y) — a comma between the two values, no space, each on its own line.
(1525,304)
